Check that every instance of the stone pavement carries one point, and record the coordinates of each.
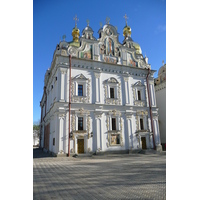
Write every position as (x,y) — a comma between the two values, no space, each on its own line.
(117,176)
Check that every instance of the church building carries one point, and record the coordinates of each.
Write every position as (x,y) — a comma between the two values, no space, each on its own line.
(99,95)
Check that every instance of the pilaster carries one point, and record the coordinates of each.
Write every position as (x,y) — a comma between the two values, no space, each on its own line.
(61,133)
(126,85)
(97,87)
(98,125)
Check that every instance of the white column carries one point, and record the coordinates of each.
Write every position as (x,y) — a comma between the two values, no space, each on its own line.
(153,102)
(97,87)
(62,86)
(126,84)
(130,136)
(156,130)
(61,138)
(58,85)
(98,131)
(56,134)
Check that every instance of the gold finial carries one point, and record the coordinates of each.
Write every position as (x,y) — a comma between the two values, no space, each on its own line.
(125,17)
(107,20)
(101,24)
(88,21)
(75,19)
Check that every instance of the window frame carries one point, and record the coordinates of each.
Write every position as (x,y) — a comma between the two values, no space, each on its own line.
(141,124)
(80,122)
(80,89)
(112,92)
(114,127)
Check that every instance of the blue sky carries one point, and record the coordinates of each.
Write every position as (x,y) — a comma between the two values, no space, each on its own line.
(53,19)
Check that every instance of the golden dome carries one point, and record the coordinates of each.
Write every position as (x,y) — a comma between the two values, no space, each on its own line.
(127,31)
(75,34)
(137,48)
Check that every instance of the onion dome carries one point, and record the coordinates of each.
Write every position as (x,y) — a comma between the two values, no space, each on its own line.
(75,34)
(127,31)
(75,31)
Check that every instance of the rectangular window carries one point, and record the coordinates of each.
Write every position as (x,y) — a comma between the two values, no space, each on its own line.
(112,94)
(80,123)
(141,124)
(80,90)
(53,141)
(113,124)
(139,95)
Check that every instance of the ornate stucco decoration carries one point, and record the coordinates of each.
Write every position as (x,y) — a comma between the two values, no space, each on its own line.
(112,82)
(144,115)
(72,51)
(141,113)
(80,79)
(138,86)
(114,133)
(86,114)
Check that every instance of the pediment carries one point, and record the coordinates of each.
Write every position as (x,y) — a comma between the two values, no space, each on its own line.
(80,76)
(111,80)
(138,84)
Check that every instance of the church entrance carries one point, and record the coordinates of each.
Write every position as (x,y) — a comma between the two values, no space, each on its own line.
(80,145)
(143,142)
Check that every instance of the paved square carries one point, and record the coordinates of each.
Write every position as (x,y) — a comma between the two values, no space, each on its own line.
(135,176)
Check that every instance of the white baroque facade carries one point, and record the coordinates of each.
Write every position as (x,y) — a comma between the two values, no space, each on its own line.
(110,87)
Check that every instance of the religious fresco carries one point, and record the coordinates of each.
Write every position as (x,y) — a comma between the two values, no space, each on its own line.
(110,59)
(115,139)
(130,61)
(109,46)
(87,53)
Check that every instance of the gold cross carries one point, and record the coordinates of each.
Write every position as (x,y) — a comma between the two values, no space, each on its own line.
(107,20)
(125,17)
(75,19)
(88,21)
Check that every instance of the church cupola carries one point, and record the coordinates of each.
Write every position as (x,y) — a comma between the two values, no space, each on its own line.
(76,31)
(87,32)
(128,42)
(100,30)
(127,29)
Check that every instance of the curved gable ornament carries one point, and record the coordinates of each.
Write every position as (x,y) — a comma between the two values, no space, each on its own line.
(80,76)
(138,84)
(72,51)
(111,80)
(110,30)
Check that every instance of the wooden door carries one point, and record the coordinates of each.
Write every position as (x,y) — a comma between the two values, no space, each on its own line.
(143,142)
(80,145)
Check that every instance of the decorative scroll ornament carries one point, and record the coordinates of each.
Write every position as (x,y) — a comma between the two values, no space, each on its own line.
(141,113)
(72,51)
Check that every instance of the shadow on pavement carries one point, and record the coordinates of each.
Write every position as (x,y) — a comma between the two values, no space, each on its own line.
(39,153)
